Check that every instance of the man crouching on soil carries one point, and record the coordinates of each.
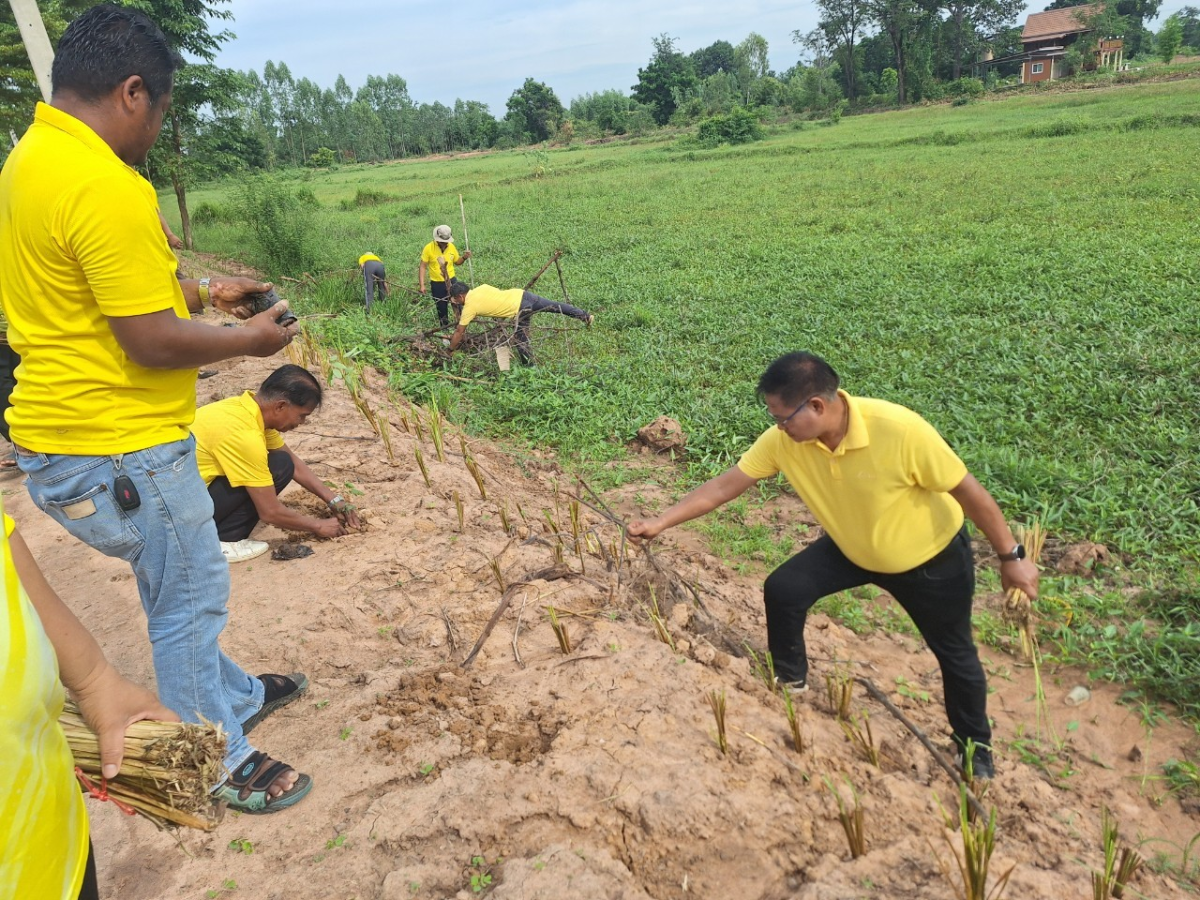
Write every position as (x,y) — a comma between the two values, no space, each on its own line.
(891,496)
(246,464)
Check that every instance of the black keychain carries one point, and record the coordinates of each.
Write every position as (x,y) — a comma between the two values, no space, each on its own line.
(125,491)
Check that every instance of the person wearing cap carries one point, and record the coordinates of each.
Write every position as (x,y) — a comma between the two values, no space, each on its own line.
(891,496)
(440,256)
(374,276)
(495,303)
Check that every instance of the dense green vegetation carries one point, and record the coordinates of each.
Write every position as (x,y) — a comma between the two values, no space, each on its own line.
(1022,272)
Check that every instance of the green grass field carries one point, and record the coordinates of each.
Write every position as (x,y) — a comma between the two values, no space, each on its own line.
(1023,272)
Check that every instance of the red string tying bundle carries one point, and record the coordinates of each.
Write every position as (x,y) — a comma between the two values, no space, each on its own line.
(101,792)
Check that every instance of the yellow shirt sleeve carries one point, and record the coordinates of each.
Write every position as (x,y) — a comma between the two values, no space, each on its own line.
(84,225)
(759,461)
(929,461)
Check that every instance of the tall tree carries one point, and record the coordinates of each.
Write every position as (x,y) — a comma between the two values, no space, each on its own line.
(843,21)
(901,21)
(667,78)
(752,63)
(200,87)
(1189,18)
(969,18)
(1170,39)
(716,57)
(535,110)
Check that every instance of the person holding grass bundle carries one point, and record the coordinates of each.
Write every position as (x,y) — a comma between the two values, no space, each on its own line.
(44,847)
(891,496)
(439,257)
(109,357)
(486,300)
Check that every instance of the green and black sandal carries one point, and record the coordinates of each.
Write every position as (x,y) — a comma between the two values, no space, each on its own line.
(246,788)
(278,692)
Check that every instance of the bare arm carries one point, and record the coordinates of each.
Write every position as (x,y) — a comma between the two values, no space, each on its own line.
(729,485)
(173,239)
(307,479)
(981,508)
(457,338)
(421,275)
(273,512)
(162,340)
(109,702)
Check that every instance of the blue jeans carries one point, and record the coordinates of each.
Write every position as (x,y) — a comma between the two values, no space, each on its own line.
(170,540)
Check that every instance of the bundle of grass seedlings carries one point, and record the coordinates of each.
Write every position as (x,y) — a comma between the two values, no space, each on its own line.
(167,772)
(1018,609)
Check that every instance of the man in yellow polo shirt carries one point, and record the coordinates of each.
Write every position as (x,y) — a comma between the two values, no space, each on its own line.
(486,300)
(109,355)
(891,496)
(246,464)
(374,276)
(439,257)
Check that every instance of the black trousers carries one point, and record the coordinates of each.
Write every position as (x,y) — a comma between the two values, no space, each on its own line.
(937,596)
(90,889)
(532,303)
(440,291)
(9,360)
(233,508)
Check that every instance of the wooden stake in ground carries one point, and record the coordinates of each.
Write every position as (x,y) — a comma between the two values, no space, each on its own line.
(466,239)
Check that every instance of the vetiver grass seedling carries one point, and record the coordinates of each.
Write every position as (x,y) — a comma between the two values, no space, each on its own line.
(716,701)
(858,731)
(978,845)
(852,818)
(839,691)
(656,619)
(560,631)
(436,428)
(497,574)
(1111,883)
(458,507)
(421,464)
(504,523)
(762,668)
(793,719)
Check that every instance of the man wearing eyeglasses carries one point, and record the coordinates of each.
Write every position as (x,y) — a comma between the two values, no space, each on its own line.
(891,496)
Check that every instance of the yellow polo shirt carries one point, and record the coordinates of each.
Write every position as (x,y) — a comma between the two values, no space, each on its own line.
(486,300)
(43,823)
(430,255)
(231,440)
(369,256)
(882,494)
(80,242)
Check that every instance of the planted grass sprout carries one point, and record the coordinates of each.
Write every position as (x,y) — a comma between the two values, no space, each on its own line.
(716,702)
(793,719)
(839,692)
(978,843)
(560,631)
(851,816)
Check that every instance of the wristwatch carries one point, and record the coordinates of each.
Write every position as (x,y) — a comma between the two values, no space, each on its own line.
(1017,552)
(202,289)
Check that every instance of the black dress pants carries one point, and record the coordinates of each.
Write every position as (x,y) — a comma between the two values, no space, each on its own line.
(234,510)
(936,595)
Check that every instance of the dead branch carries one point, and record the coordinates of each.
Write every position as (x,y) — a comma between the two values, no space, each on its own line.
(541,271)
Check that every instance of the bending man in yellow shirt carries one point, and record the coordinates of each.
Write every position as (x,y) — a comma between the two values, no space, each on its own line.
(486,300)
(374,276)
(891,496)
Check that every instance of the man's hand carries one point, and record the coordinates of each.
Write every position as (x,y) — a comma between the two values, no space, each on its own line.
(110,704)
(344,510)
(465,256)
(328,528)
(269,336)
(175,241)
(229,294)
(1020,573)
(645,529)
(421,288)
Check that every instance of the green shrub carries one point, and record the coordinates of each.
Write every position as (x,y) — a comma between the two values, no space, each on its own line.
(281,224)
(211,214)
(321,158)
(965,87)
(368,197)
(1057,128)
(740,126)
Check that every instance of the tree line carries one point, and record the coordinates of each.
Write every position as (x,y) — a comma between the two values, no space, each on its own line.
(864,53)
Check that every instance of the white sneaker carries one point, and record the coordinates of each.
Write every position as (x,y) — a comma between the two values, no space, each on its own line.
(243,551)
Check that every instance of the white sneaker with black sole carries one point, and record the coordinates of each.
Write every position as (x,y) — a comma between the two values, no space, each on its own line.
(243,551)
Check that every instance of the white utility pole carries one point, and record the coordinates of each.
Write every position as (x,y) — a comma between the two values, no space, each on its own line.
(37,42)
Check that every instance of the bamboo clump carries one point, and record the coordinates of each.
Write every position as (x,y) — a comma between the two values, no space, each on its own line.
(167,772)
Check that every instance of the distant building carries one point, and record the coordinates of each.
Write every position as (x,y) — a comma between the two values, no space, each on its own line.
(1048,36)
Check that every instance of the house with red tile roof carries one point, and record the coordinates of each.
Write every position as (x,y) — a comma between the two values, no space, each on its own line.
(1048,35)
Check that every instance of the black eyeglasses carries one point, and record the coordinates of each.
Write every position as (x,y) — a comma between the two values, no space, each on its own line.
(784,420)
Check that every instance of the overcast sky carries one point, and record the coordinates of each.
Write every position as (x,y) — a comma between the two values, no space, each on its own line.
(484,49)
